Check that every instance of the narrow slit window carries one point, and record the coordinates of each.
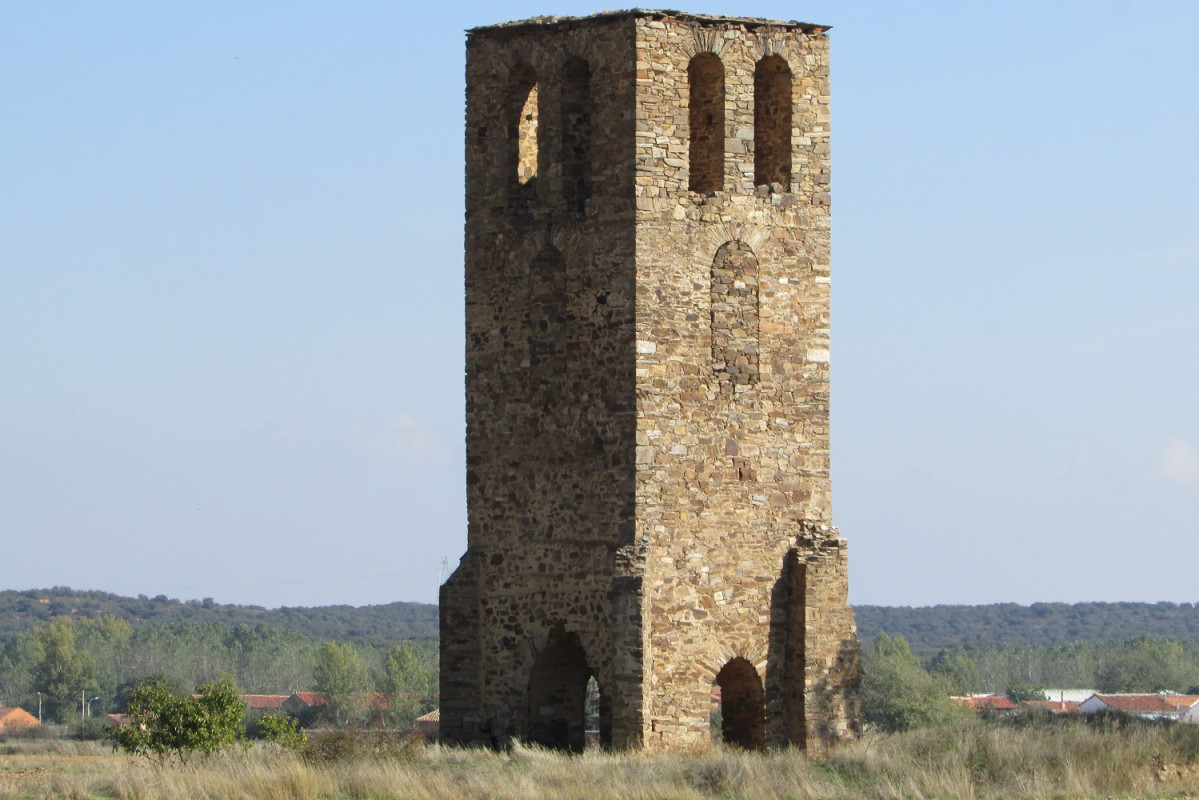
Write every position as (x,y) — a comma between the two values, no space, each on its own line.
(576,134)
(772,122)
(705,81)
(524,123)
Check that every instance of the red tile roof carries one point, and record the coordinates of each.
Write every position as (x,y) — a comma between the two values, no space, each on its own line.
(264,700)
(311,698)
(995,702)
(1056,706)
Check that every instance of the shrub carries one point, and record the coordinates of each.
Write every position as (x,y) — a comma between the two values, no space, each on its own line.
(282,731)
(162,724)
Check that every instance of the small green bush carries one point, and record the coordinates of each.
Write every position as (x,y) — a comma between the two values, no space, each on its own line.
(164,725)
(282,731)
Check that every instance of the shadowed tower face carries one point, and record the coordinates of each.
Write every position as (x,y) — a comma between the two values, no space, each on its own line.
(647,361)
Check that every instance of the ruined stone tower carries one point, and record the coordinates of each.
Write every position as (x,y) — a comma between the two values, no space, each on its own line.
(647,388)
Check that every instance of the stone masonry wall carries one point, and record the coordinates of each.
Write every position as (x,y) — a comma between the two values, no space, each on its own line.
(647,390)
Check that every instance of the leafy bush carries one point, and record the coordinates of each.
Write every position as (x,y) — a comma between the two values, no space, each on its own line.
(1021,692)
(162,724)
(282,730)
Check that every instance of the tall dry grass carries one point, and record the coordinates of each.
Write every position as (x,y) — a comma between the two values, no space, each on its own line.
(1026,758)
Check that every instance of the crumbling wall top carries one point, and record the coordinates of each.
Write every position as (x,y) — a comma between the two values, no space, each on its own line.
(633,13)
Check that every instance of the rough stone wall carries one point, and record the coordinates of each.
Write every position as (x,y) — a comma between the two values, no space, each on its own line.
(549,374)
(647,390)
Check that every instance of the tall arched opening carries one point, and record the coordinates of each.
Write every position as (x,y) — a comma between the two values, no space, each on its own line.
(576,134)
(705,114)
(742,705)
(557,712)
(523,123)
(772,122)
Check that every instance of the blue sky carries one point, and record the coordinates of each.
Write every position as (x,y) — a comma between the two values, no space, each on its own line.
(231,297)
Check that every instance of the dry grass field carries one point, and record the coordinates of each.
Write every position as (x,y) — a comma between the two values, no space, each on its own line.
(1037,759)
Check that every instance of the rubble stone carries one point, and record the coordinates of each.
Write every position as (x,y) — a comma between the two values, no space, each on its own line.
(647,384)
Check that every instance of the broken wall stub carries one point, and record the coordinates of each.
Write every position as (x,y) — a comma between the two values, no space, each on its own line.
(647,356)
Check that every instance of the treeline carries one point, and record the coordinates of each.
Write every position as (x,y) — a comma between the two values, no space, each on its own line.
(930,629)
(74,662)
(22,610)
(927,630)
(1139,664)
(900,693)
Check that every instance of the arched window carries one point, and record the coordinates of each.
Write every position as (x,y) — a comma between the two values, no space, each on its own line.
(576,134)
(557,711)
(772,122)
(523,107)
(735,316)
(705,107)
(742,705)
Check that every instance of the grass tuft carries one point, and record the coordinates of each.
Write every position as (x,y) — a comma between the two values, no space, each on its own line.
(1025,757)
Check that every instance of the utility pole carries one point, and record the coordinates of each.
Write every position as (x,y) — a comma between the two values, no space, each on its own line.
(39,708)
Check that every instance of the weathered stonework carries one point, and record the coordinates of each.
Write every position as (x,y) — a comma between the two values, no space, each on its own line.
(647,359)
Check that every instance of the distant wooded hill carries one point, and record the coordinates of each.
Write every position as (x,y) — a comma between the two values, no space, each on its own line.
(388,623)
(1041,624)
(927,629)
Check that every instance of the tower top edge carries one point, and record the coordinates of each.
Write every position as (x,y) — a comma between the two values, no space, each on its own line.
(642,13)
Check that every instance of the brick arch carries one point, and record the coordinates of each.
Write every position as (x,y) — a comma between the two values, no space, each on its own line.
(566,240)
(742,704)
(759,238)
(580,43)
(704,40)
(774,42)
(721,652)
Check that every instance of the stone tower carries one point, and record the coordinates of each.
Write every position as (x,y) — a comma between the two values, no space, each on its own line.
(647,388)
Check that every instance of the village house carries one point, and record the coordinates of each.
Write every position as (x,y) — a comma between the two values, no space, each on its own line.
(1163,705)
(986,702)
(264,702)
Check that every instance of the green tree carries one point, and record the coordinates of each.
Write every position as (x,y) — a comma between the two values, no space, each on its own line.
(341,675)
(897,694)
(105,642)
(164,725)
(1020,692)
(410,682)
(956,670)
(62,673)
(1144,664)
(20,656)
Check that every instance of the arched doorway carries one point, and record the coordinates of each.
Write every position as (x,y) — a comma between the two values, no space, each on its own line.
(557,712)
(742,705)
